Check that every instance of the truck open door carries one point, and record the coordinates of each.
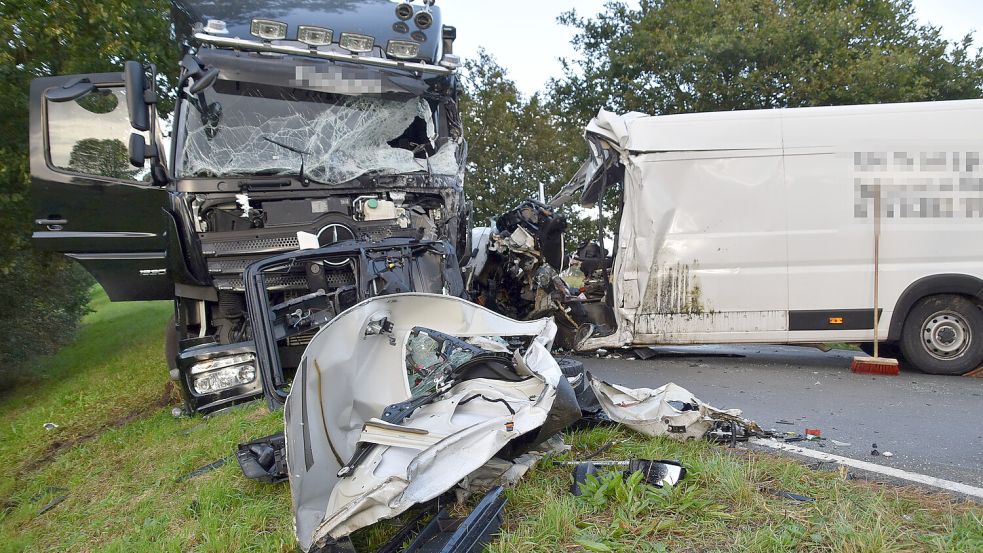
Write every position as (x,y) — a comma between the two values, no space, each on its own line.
(89,201)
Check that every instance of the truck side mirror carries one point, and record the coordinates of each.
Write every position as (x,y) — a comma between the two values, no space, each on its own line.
(138,150)
(70,91)
(136,101)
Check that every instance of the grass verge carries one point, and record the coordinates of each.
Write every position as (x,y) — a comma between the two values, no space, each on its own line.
(111,477)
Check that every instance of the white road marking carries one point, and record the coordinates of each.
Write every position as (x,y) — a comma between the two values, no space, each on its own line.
(873,467)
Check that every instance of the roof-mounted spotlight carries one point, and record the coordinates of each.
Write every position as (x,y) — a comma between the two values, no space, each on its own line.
(404,11)
(356,43)
(314,36)
(216,27)
(423,20)
(403,49)
(267,29)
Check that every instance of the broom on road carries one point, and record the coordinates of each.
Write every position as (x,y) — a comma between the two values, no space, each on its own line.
(876,364)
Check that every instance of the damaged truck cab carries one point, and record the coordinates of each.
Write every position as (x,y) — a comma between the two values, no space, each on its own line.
(293,127)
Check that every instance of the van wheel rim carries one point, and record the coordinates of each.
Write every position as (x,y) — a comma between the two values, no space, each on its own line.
(946,335)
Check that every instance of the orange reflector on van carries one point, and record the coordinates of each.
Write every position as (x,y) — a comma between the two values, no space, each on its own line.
(836,320)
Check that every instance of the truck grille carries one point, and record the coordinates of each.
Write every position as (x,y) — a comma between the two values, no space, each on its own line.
(273,282)
(302,339)
(249,246)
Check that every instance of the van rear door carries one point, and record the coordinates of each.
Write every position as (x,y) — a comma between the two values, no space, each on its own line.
(89,202)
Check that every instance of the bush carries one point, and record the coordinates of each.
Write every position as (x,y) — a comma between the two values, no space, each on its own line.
(43,298)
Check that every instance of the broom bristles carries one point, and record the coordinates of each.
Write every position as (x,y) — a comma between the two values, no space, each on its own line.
(875,365)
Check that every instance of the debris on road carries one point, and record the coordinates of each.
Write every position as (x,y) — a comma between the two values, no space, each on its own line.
(667,411)
(437,397)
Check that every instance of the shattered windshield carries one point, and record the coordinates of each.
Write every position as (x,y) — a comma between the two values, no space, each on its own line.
(238,129)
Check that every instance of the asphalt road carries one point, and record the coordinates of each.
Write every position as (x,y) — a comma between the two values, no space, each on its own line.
(932,424)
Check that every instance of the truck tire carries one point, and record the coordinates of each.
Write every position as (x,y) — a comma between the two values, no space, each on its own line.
(943,334)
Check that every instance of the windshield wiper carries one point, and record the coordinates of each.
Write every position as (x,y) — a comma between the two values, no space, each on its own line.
(302,153)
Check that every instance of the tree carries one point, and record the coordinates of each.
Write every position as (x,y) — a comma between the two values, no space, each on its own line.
(673,56)
(45,295)
(514,144)
(107,157)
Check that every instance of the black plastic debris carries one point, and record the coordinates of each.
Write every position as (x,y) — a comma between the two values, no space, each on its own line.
(795,497)
(52,504)
(873,450)
(445,534)
(655,473)
(264,460)
(580,474)
(202,470)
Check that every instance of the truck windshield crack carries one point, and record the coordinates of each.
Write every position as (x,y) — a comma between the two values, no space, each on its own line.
(343,137)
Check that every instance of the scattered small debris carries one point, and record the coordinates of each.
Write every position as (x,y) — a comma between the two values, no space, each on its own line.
(874,452)
(655,473)
(52,504)
(838,443)
(887,454)
(50,426)
(795,497)
(783,421)
(199,471)
(816,432)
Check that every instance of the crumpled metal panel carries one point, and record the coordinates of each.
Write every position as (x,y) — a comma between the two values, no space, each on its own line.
(349,376)
(670,410)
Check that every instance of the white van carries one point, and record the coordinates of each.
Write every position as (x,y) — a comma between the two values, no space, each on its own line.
(758,226)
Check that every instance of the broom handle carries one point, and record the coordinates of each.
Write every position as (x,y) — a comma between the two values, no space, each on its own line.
(877,264)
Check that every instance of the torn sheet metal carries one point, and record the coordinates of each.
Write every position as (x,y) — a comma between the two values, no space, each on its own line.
(356,368)
(667,411)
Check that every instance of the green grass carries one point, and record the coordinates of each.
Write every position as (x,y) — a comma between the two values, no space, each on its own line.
(118,455)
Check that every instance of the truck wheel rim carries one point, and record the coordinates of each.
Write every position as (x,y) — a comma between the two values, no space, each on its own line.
(946,335)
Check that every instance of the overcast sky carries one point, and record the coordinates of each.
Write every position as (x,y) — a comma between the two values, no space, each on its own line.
(525,38)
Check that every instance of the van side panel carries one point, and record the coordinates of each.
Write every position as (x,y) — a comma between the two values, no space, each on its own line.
(926,161)
(716,239)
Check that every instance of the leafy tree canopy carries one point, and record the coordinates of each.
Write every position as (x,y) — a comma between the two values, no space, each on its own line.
(673,56)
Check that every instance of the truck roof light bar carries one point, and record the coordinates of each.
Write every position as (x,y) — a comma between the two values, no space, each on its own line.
(253,46)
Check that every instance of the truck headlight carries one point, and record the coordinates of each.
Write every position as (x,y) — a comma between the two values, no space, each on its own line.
(219,374)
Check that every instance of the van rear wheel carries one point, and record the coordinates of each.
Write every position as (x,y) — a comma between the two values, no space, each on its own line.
(944,335)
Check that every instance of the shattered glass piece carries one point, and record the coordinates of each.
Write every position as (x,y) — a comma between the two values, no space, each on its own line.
(422,350)
(342,138)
